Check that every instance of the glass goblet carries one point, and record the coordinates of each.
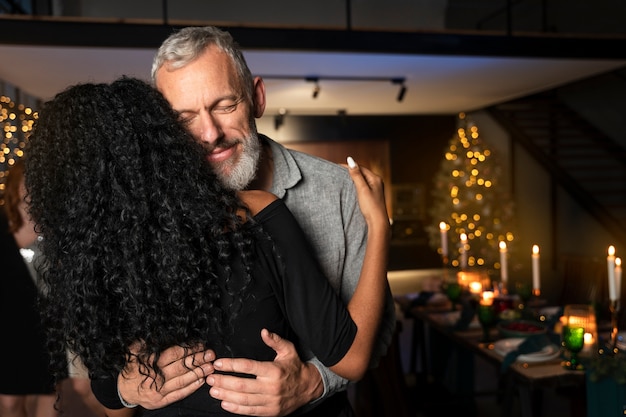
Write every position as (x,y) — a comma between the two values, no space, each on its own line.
(453,291)
(487,318)
(573,341)
(579,319)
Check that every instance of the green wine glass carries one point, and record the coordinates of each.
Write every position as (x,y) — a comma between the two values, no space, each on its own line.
(487,318)
(573,341)
(453,291)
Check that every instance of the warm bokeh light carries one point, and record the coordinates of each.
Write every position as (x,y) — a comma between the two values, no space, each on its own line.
(16,122)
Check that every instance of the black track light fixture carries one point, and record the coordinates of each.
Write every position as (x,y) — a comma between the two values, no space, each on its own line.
(279,119)
(402,91)
(316,88)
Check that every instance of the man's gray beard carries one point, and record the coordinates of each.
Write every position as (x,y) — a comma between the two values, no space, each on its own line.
(245,169)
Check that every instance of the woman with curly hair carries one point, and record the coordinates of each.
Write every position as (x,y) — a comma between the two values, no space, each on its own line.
(146,249)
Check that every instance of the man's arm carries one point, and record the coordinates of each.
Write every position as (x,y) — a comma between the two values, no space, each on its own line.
(280,386)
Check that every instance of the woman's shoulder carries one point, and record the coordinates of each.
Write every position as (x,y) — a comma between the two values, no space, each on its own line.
(256,200)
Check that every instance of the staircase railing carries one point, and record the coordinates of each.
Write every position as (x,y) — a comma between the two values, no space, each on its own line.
(590,166)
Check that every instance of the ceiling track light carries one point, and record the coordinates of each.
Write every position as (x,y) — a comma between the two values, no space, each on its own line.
(316,79)
(316,88)
(402,91)
(279,119)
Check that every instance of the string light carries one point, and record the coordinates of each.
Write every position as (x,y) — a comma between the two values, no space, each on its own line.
(16,124)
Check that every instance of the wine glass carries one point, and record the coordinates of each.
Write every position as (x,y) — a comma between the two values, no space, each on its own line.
(573,341)
(577,321)
(487,317)
(453,291)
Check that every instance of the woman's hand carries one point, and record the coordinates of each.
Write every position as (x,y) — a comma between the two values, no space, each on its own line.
(371,195)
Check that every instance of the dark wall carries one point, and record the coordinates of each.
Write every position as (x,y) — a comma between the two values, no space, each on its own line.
(416,142)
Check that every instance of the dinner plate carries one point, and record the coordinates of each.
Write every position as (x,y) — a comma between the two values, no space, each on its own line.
(504,346)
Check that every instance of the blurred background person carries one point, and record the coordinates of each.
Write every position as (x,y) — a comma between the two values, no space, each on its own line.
(26,387)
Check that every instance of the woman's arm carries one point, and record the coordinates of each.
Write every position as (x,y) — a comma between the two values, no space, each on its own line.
(367,304)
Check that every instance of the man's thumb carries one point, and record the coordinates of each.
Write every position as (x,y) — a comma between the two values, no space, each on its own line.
(270,339)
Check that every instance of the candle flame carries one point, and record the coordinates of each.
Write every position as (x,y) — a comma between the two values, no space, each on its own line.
(535,249)
(443,226)
(502,244)
(475,287)
(487,297)
(618,261)
(463,237)
(611,250)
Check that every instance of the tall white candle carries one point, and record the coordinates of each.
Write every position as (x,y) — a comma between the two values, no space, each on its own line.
(443,228)
(610,262)
(535,259)
(463,250)
(504,275)
(618,277)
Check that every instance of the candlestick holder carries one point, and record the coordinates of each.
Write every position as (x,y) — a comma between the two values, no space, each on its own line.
(445,260)
(614,307)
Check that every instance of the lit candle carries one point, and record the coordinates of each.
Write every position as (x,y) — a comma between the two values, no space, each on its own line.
(463,251)
(444,239)
(618,277)
(589,341)
(610,261)
(535,259)
(475,287)
(503,267)
(487,299)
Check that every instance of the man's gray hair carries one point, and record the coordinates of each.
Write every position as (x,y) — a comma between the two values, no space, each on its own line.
(185,45)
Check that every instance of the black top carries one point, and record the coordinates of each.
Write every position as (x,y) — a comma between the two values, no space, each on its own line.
(291,298)
(20,323)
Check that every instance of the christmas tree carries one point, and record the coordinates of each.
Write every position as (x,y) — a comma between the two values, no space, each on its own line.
(469,198)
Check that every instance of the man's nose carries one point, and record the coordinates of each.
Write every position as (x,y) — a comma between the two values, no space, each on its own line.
(210,129)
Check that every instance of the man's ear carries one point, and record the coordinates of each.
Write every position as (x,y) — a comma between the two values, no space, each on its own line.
(258,97)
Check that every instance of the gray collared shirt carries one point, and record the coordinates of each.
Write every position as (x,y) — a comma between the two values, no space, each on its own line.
(322,197)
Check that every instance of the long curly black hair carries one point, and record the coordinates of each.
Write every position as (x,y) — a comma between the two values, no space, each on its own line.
(139,234)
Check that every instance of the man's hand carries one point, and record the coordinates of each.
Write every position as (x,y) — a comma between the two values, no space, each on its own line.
(280,387)
(183,376)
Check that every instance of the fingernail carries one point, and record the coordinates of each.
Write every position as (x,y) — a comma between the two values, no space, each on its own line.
(351,162)
(210,380)
(217,364)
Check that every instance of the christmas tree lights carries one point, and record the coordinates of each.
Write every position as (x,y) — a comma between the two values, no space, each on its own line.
(469,197)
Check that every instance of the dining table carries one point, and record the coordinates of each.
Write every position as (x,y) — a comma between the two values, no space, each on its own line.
(525,378)
(447,351)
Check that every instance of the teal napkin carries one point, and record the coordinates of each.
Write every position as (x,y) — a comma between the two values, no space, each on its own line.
(531,344)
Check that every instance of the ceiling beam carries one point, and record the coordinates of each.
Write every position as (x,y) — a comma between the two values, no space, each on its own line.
(75,32)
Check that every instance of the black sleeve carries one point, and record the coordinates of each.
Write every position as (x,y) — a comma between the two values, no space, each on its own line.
(105,391)
(313,308)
